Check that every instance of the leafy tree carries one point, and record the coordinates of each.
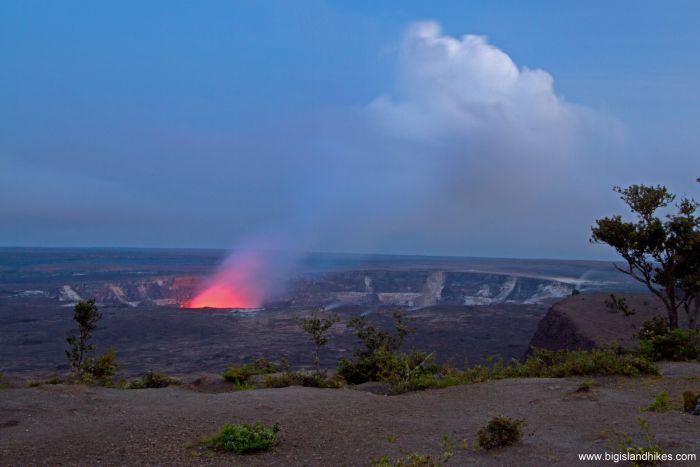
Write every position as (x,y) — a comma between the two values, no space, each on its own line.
(661,253)
(379,351)
(316,326)
(86,314)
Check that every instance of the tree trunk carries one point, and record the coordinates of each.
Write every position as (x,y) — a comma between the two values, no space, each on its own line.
(673,318)
(672,307)
(692,309)
(318,360)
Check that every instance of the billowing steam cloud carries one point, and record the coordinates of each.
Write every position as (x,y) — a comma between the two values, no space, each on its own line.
(457,154)
(468,88)
(478,117)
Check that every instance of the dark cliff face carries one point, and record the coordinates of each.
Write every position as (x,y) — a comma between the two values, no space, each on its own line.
(558,331)
(585,321)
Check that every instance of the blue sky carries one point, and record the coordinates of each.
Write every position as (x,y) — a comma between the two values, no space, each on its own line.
(201,124)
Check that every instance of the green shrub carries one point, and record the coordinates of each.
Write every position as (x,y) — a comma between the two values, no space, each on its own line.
(660,403)
(676,345)
(100,370)
(562,363)
(645,449)
(51,380)
(303,378)
(370,361)
(152,379)
(245,438)
(417,371)
(653,328)
(239,374)
(539,364)
(500,431)
(316,325)
(409,460)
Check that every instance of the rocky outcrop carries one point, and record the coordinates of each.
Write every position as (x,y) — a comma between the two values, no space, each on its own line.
(585,321)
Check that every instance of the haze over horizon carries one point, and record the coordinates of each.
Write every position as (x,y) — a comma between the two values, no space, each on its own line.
(491,130)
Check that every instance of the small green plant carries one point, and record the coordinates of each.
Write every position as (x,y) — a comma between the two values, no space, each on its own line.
(448,448)
(316,326)
(239,374)
(412,459)
(660,403)
(101,369)
(653,328)
(384,461)
(659,343)
(501,431)
(645,453)
(392,438)
(243,387)
(54,380)
(152,379)
(244,438)
(311,380)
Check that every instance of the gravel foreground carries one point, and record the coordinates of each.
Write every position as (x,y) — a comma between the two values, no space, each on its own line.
(81,425)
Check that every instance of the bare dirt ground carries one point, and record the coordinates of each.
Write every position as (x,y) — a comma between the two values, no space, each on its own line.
(80,425)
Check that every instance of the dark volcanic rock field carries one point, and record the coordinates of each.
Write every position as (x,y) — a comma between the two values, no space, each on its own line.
(464,308)
(183,341)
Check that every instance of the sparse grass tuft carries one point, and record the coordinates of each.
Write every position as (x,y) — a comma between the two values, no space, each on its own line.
(244,438)
(500,431)
(448,448)
(243,387)
(409,460)
(52,380)
(152,379)
(660,404)
(239,374)
(302,378)
(647,449)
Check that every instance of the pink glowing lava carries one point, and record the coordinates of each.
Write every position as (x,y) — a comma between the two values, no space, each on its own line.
(238,283)
(222,296)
